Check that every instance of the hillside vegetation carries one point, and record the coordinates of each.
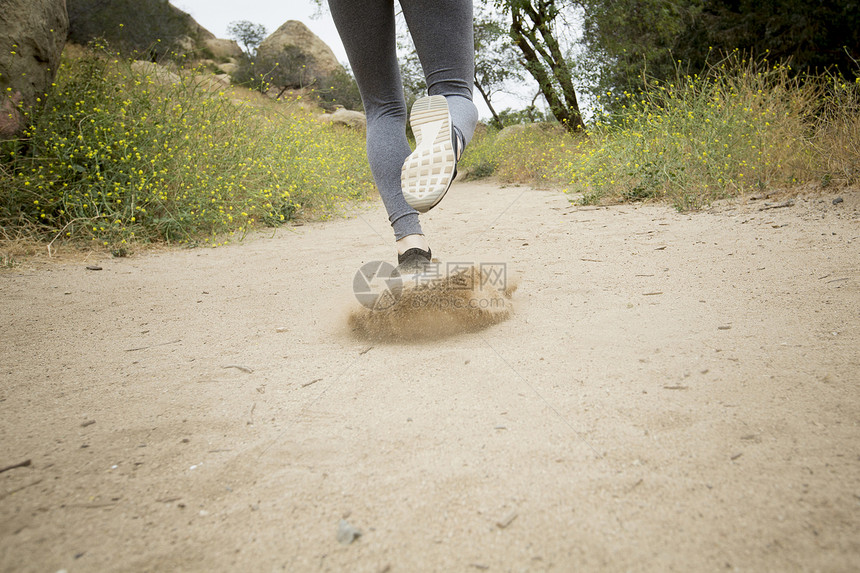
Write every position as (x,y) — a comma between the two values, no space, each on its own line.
(743,126)
(125,153)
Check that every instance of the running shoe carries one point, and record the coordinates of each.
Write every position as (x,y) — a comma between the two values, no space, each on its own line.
(428,172)
(413,261)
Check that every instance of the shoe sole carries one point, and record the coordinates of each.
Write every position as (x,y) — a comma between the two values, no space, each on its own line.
(428,172)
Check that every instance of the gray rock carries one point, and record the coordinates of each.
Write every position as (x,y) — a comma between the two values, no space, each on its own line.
(158,74)
(228,68)
(185,45)
(222,49)
(321,60)
(345,117)
(346,533)
(32,36)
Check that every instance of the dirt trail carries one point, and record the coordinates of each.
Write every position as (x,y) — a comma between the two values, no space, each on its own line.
(674,392)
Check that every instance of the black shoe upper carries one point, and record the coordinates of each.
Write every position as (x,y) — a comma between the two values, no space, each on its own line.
(413,260)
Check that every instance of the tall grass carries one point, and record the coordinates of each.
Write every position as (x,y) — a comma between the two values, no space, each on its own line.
(523,153)
(745,125)
(126,153)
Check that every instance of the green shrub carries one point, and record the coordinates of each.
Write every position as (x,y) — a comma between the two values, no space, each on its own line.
(339,89)
(701,138)
(124,153)
(742,127)
(528,153)
(289,71)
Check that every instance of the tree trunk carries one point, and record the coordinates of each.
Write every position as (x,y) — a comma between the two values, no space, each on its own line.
(496,119)
(532,32)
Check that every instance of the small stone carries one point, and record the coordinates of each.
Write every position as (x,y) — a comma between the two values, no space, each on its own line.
(507,519)
(838,200)
(346,533)
(93,268)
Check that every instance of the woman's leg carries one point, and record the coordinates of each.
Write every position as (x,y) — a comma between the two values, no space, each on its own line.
(367,29)
(443,33)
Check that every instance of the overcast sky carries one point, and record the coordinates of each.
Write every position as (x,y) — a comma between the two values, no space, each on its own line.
(215,15)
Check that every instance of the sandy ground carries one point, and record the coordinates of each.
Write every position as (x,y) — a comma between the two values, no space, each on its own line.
(674,392)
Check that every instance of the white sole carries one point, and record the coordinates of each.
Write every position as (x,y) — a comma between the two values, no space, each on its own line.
(429,171)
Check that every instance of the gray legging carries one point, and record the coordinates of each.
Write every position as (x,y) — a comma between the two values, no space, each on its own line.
(443,36)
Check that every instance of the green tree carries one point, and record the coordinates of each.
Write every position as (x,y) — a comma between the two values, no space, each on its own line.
(285,70)
(812,35)
(629,37)
(339,89)
(248,34)
(494,56)
(633,38)
(534,29)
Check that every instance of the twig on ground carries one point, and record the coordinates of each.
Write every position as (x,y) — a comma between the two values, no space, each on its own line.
(23,464)
(788,203)
(23,487)
(244,369)
(153,346)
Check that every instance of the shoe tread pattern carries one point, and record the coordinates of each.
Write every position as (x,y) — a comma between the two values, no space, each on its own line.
(428,172)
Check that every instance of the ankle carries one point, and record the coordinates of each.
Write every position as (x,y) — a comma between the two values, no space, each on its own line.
(412,242)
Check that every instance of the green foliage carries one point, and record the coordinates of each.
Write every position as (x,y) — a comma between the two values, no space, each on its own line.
(247,34)
(697,139)
(742,127)
(534,31)
(150,27)
(286,70)
(529,114)
(119,155)
(636,39)
(525,153)
(248,76)
(813,36)
(632,37)
(495,61)
(289,71)
(338,89)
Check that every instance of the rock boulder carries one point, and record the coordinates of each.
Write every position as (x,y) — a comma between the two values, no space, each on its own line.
(32,36)
(321,61)
(222,49)
(345,117)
